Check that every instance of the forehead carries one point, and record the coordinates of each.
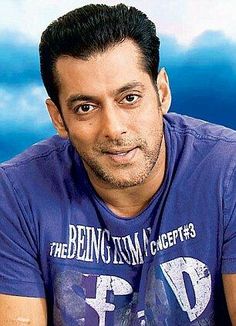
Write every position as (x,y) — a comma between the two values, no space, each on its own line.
(110,69)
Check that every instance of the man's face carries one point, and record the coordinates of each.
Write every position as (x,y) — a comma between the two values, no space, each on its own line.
(112,115)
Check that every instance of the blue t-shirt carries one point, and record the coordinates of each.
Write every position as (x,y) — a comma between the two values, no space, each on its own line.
(59,240)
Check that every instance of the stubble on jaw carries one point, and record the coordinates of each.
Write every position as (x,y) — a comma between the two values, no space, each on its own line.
(135,177)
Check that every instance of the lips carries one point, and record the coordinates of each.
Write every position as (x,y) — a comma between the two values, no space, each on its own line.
(121,155)
(119,152)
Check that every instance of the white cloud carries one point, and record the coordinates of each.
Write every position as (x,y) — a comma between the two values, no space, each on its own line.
(24,106)
(184,19)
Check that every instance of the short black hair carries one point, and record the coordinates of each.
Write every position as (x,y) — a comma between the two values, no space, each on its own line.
(92,29)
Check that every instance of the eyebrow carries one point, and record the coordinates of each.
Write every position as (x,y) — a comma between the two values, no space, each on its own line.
(79,97)
(129,86)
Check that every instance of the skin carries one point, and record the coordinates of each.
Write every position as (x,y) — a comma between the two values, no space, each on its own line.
(22,311)
(110,106)
(114,124)
(125,111)
(229,281)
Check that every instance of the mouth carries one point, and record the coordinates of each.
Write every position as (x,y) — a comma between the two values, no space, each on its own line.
(121,155)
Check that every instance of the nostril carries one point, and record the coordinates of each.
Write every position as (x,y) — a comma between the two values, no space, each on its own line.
(114,123)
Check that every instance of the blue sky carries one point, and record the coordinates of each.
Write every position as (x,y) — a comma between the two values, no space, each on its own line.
(198,50)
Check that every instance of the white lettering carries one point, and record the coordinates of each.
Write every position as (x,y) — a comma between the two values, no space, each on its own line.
(117,250)
(135,250)
(104,259)
(80,242)
(153,247)
(107,283)
(63,251)
(201,281)
(72,242)
(145,240)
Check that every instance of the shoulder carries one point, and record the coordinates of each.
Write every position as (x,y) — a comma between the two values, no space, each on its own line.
(201,148)
(202,138)
(38,151)
(46,160)
(199,129)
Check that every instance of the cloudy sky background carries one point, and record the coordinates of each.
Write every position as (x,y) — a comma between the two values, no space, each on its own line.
(198,49)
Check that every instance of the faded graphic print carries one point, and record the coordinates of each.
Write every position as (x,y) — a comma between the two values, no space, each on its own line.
(176,292)
(69,299)
(101,299)
(157,307)
(127,315)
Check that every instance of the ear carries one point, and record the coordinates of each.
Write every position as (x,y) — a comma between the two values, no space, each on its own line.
(56,118)
(163,90)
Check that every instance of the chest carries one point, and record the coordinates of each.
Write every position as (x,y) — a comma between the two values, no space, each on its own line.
(164,269)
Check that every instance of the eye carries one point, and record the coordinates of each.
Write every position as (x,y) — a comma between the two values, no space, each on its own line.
(130,99)
(84,108)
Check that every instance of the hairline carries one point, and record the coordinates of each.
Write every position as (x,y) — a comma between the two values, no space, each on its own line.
(141,59)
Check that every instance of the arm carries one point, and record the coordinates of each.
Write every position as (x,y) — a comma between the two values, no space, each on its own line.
(21,311)
(228,267)
(229,281)
(21,283)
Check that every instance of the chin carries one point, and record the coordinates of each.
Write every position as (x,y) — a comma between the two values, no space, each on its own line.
(123,182)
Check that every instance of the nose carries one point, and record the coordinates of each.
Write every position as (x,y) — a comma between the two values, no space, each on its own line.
(113,122)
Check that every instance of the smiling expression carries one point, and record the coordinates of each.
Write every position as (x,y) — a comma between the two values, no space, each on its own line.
(112,115)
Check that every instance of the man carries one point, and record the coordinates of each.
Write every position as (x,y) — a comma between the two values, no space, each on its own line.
(128,216)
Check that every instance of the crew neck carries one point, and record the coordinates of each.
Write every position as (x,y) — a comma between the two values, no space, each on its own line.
(145,212)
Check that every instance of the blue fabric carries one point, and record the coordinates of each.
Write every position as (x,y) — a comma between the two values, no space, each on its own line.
(59,240)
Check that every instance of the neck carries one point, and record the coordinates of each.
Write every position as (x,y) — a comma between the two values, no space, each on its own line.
(130,201)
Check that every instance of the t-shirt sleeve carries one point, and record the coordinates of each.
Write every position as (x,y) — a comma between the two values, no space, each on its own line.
(19,262)
(229,244)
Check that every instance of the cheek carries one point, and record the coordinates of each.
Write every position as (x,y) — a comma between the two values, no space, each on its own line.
(83,136)
(153,129)
(151,120)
